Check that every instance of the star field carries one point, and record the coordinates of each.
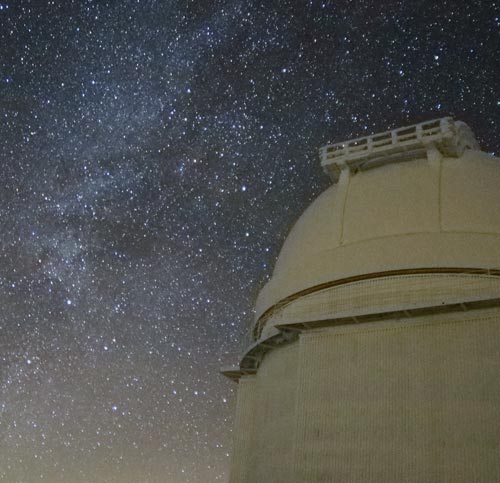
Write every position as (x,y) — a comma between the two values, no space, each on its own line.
(153,156)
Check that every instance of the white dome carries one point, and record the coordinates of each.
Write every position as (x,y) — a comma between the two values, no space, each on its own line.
(376,341)
(419,214)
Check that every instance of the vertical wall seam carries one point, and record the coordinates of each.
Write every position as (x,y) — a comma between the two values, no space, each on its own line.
(440,195)
(344,182)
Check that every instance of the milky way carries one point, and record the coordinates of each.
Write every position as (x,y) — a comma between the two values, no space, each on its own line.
(153,156)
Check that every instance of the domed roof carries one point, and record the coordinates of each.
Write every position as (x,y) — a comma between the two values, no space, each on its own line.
(432,212)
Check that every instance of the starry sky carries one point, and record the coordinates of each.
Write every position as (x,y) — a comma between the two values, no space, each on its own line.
(153,156)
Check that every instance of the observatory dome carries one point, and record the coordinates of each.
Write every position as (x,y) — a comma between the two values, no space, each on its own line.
(374,354)
(431,212)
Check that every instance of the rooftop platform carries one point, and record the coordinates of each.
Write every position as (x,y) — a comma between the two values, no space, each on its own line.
(446,136)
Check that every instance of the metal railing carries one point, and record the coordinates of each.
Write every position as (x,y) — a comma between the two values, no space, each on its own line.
(450,137)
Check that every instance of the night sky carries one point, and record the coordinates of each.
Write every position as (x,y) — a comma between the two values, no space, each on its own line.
(153,156)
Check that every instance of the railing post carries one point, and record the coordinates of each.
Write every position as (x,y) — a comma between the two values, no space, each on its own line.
(394,137)
(370,144)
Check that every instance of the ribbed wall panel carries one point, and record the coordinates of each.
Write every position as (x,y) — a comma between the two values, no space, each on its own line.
(243,434)
(402,402)
(386,293)
(271,458)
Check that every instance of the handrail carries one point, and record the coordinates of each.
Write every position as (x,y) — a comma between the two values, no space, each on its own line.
(448,136)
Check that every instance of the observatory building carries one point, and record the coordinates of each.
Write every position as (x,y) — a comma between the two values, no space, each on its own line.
(375,351)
